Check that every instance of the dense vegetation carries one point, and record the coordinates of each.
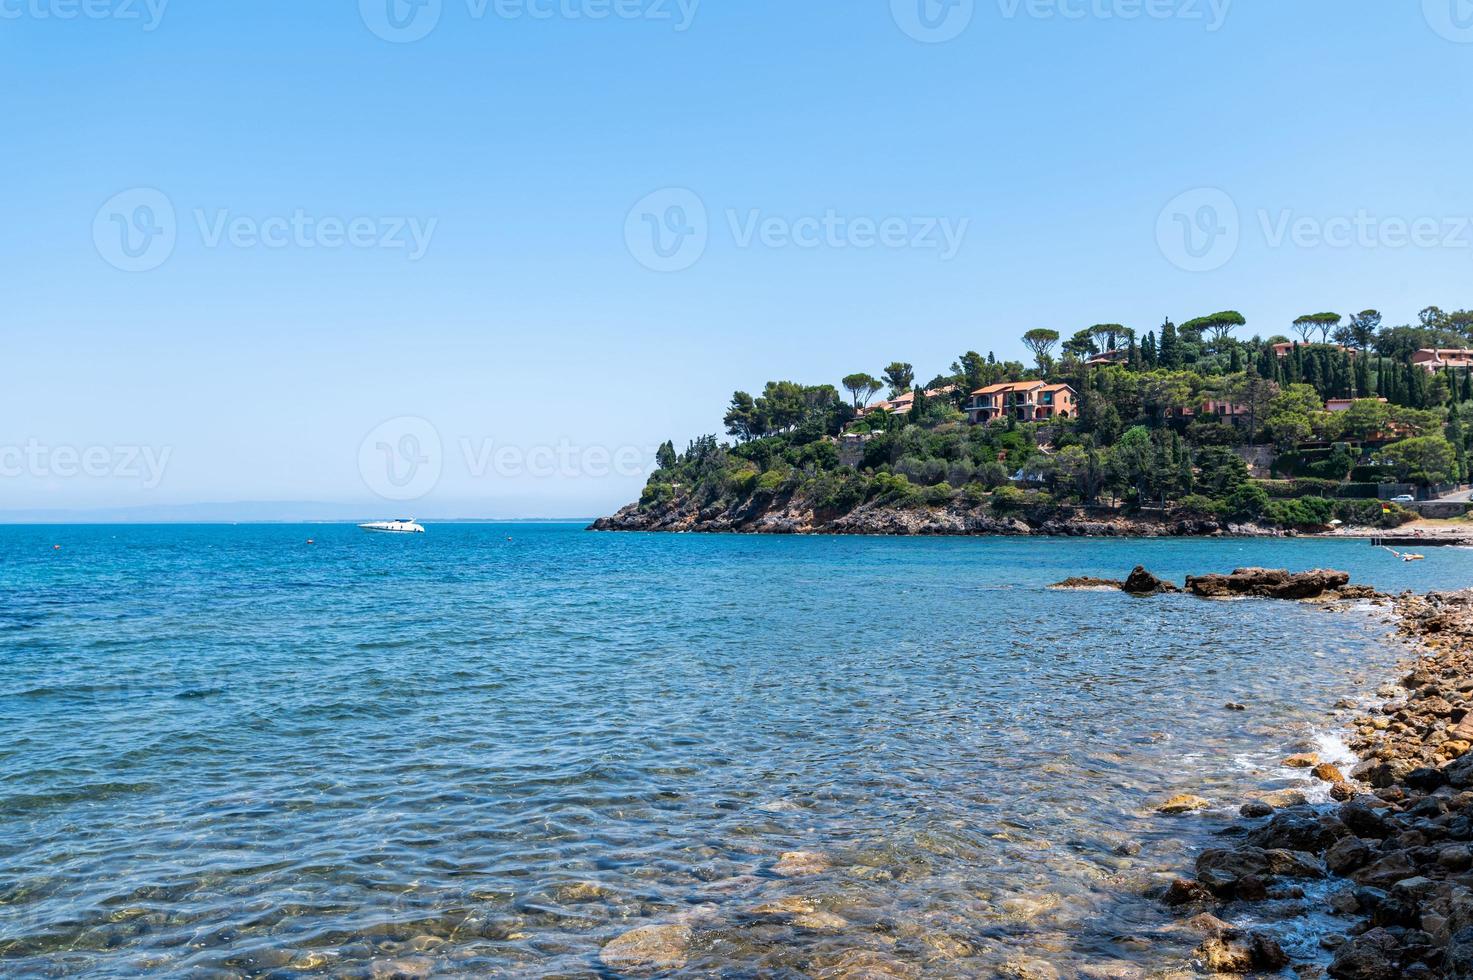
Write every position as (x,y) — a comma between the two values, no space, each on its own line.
(1142,441)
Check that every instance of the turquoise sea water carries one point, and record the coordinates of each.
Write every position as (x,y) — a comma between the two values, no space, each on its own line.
(487,750)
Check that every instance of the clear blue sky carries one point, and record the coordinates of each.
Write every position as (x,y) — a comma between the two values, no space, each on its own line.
(1053,134)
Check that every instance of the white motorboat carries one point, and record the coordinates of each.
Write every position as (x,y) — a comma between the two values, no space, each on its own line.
(404,525)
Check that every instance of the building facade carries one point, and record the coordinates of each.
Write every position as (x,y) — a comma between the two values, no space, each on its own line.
(1026,401)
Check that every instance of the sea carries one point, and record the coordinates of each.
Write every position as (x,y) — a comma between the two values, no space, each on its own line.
(491,749)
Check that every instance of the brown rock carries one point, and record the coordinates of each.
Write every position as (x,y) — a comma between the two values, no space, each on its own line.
(1267,584)
(1142,582)
(1085,582)
(1183,803)
(1237,951)
(1307,760)
(794,864)
(1328,772)
(648,948)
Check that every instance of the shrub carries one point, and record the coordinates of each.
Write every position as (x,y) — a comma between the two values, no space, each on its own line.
(1247,502)
(771,481)
(1196,505)
(938,495)
(974,494)
(656,494)
(1005,499)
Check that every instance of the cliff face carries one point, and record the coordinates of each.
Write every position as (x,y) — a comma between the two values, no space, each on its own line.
(795,516)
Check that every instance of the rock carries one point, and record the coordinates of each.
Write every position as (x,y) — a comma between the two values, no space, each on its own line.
(1183,803)
(820,921)
(648,948)
(1184,892)
(1142,582)
(1267,584)
(1376,955)
(1207,924)
(1235,706)
(1306,760)
(1342,791)
(1327,772)
(1223,870)
(785,908)
(1348,854)
(1256,808)
(864,964)
(1296,831)
(794,864)
(408,968)
(1293,864)
(1425,780)
(1282,799)
(1387,871)
(1085,582)
(580,891)
(1238,951)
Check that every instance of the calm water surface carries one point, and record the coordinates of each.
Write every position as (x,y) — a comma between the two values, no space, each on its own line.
(490,749)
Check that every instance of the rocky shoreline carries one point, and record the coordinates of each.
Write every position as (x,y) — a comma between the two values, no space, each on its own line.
(1392,858)
(882,520)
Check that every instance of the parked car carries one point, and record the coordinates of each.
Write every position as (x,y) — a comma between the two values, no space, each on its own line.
(1405,498)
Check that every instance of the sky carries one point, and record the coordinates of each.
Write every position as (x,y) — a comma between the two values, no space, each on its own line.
(478,258)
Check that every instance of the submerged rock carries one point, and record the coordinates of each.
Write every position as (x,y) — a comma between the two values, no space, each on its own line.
(1183,803)
(794,864)
(664,947)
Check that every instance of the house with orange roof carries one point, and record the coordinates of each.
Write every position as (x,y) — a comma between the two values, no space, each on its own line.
(1432,360)
(902,404)
(1026,401)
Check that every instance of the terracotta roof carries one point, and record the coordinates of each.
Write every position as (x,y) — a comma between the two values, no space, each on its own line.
(1009,386)
(1058,387)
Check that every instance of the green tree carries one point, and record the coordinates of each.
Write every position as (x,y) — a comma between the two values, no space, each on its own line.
(1110,335)
(1221,471)
(1291,415)
(1363,328)
(861,388)
(1253,394)
(1424,459)
(1219,325)
(1168,355)
(900,377)
(742,418)
(1366,417)
(665,455)
(1041,343)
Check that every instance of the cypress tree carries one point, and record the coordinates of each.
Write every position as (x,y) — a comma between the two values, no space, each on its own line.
(1148,351)
(1170,353)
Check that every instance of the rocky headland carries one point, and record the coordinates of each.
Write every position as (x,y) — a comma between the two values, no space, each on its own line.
(1390,861)
(799,517)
